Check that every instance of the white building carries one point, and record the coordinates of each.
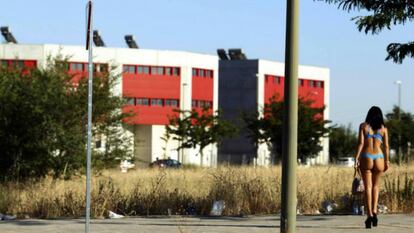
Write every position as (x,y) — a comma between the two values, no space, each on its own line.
(155,82)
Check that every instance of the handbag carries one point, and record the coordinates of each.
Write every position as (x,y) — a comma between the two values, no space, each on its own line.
(357,184)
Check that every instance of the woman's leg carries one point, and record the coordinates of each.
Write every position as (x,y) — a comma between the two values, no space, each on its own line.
(367,177)
(376,175)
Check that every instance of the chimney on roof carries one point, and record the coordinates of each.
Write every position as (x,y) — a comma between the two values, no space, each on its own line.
(97,39)
(129,39)
(222,54)
(237,54)
(8,36)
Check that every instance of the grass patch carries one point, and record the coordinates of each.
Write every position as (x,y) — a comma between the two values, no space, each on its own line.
(245,190)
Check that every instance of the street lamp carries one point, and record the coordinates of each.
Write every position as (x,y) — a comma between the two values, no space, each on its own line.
(89,47)
(181,154)
(398,82)
(290,121)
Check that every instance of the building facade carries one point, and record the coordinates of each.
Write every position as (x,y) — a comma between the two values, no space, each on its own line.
(153,82)
(246,85)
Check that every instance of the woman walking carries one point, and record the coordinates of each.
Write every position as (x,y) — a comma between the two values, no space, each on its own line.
(372,158)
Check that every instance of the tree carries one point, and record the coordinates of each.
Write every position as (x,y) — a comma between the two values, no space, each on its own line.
(268,127)
(405,128)
(43,121)
(198,130)
(342,142)
(384,14)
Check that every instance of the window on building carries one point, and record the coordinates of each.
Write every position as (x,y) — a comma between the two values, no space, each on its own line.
(194,103)
(311,83)
(100,67)
(209,73)
(18,64)
(276,80)
(153,70)
(103,68)
(76,66)
(167,71)
(142,101)
(301,82)
(129,69)
(146,69)
(201,103)
(98,144)
(171,103)
(140,70)
(156,102)
(194,72)
(176,71)
(319,84)
(174,103)
(208,104)
(130,101)
(202,73)
(160,70)
(79,66)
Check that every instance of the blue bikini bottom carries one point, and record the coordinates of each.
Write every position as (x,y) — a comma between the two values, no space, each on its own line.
(372,156)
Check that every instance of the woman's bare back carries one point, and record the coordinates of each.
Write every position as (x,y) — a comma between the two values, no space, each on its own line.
(372,146)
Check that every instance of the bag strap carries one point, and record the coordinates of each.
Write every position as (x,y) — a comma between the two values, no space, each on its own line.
(357,171)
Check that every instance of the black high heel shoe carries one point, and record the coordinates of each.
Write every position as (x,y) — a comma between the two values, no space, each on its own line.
(368,222)
(374,220)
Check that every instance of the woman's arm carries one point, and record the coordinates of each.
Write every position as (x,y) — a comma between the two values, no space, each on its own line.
(360,144)
(386,150)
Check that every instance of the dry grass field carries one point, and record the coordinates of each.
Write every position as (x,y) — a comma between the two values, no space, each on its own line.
(245,190)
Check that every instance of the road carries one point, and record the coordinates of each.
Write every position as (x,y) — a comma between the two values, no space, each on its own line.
(320,224)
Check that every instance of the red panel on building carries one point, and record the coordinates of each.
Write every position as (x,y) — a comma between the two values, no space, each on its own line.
(151,83)
(308,89)
(202,89)
(313,90)
(18,63)
(149,115)
(274,87)
(79,70)
(151,87)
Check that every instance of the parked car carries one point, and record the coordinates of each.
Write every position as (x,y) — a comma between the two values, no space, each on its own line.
(166,163)
(346,161)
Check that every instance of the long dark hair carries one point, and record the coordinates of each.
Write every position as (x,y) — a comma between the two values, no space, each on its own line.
(374,118)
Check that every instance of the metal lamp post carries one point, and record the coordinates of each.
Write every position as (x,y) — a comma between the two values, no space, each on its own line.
(90,91)
(290,120)
(398,82)
(182,160)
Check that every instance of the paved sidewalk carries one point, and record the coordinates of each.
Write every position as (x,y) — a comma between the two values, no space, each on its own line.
(336,224)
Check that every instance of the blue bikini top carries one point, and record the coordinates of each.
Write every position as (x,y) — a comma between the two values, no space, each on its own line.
(375,135)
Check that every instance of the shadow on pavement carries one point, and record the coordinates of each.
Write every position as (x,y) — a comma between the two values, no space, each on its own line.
(206,225)
(25,223)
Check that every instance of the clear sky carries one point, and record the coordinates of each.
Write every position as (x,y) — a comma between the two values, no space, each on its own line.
(360,77)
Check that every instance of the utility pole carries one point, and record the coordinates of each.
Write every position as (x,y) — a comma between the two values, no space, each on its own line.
(90,91)
(290,121)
